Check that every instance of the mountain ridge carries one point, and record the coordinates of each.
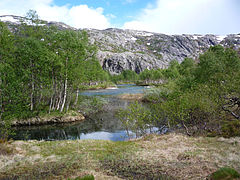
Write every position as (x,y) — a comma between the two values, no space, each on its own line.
(136,50)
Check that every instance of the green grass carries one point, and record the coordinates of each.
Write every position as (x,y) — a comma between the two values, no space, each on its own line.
(62,159)
(87,177)
(225,173)
(152,157)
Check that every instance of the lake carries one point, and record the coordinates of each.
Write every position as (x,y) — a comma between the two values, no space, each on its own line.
(104,125)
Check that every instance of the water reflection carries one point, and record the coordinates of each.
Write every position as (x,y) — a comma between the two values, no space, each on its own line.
(121,89)
(104,125)
(104,128)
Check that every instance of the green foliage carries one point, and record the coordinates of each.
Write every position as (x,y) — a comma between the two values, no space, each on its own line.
(230,128)
(130,75)
(194,95)
(41,68)
(153,74)
(86,177)
(225,173)
(172,72)
(90,105)
(216,64)
(125,76)
(8,81)
(135,118)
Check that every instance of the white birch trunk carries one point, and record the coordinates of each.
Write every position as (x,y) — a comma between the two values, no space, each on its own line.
(76,99)
(64,95)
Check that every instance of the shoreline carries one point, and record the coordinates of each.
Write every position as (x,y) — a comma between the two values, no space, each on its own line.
(46,120)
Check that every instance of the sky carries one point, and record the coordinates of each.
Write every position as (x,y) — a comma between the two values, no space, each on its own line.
(219,17)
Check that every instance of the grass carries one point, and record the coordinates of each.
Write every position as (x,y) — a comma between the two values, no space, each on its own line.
(225,173)
(102,85)
(138,96)
(5,149)
(171,156)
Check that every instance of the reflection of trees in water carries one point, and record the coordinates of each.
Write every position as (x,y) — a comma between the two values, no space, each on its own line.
(61,132)
(103,121)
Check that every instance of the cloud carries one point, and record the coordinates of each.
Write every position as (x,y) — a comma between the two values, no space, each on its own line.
(80,16)
(188,16)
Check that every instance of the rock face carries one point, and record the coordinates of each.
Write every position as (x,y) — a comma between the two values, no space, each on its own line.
(138,50)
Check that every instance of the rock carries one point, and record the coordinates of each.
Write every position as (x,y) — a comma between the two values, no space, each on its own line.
(138,50)
(120,50)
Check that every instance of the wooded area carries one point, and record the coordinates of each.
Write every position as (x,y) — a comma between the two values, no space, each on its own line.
(42,69)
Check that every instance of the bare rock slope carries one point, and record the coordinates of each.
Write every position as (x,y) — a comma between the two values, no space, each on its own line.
(120,50)
(138,50)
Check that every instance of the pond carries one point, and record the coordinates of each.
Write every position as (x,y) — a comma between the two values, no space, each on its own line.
(104,125)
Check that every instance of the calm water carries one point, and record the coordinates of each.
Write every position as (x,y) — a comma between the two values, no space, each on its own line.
(103,125)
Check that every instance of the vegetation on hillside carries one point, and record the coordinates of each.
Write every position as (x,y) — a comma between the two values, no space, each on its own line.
(200,97)
(42,70)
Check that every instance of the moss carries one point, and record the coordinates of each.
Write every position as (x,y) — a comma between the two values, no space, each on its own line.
(225,173)
(87,177)
(231,128)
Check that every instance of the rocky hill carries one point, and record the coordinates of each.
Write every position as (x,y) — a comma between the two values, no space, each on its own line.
(138,50)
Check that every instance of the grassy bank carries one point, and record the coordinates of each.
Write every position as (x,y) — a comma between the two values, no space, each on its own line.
(103,85)
(171,156)
(69,117)
(138,96)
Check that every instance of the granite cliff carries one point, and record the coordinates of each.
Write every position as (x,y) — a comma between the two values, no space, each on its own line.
(119,49)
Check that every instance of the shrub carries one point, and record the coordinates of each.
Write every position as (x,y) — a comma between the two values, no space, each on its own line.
(231,128)
(225,173)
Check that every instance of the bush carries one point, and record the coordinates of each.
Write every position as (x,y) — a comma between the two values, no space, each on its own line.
(225,173)
(135,118)
(87,177)
(231,128)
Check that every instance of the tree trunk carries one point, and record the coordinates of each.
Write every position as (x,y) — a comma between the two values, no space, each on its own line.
(65,85)
(68,101)
(64,95)
(50,106)
(76,99)
(32,94)
(52,96)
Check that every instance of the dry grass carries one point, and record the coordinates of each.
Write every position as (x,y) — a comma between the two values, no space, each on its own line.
(137,97)
(171,156)
(188,157)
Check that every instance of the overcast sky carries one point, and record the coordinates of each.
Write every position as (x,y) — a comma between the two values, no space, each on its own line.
(163,16)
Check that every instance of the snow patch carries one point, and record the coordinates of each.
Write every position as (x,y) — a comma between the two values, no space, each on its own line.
(133,38)
(9,19)
(196,36)
(147,34)
(140,33)
(64,26)
(220,38)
